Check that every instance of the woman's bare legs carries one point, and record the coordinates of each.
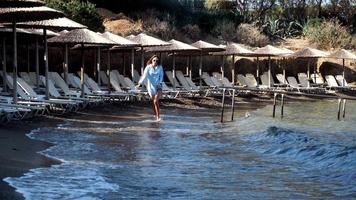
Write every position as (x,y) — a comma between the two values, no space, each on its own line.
(155,105)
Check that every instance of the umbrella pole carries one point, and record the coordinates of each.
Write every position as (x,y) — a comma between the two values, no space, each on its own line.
(222,66)
(142,61)
(269,71)
(108,70)
(343,73)
(132,63)
(82,71)
(190,67)
(174,71)
(66,64)
(98,65)
(37,64)
(233,70)
(187,68)
(14,64)
(258,72)
(284,72)
(28,57)
(124,64)
(200,68)
(315,73)
(46,60)
(4,63)
(308,72)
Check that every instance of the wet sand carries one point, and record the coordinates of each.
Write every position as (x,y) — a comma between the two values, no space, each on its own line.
(18,153)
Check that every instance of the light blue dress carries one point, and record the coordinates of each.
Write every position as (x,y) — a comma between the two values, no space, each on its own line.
(153,77)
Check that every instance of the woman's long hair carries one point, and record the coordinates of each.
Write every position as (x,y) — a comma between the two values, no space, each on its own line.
(154,56)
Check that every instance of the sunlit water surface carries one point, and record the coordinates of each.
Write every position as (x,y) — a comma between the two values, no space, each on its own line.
(190,155)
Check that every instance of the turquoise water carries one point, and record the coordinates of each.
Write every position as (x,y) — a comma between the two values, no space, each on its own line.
(308,154)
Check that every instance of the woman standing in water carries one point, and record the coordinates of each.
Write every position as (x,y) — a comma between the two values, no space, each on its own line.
(153,76)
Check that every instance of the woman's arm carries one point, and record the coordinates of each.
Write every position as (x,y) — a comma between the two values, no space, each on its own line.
(143,77)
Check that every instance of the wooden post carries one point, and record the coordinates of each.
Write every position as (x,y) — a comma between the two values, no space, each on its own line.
(4,68)
(282,104)
(82,72)
(233,105)
(339,108)
(46,61)
(14,64)
(344,108)
(222,106)
(274,105)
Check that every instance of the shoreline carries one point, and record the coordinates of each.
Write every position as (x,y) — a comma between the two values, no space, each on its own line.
(19,153)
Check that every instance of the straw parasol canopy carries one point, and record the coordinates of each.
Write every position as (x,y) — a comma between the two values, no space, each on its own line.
(309,53)
(28,14)
(343,54)
(59,23)
(81,36)
(15,15)
(268,51)
(176,46)
(147,41)
(63,23)
(20,3)
(207,47)
(234,49)
(120,41)
(122,44)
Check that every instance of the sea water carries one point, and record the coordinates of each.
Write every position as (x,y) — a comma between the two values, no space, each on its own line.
(307,154)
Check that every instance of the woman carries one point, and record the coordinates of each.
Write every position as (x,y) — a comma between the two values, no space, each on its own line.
(153,77)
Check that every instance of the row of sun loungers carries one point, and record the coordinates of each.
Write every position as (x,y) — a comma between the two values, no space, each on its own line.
(67,97)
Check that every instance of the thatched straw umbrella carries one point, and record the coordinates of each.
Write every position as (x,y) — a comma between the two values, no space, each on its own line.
(146,41)
(233,49)
(205,48)
(343,54)
(287,53)
(268,51)
(82,37)
(309,53)
(177,46)
(15,15)
(60,23)
(121,43)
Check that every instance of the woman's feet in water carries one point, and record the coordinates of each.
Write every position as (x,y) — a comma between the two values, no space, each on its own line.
(157,118)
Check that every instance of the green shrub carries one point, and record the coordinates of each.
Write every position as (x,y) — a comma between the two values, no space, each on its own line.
(329,34)
(191,31)
(251,35)
(80,11)
(225,30)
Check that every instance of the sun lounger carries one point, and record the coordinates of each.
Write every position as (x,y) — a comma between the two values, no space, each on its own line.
(332,83)
(317,79)
(341,81)
(26,77)
(303,80)
(26,93)
(136,76)
(172,80)
(103,78)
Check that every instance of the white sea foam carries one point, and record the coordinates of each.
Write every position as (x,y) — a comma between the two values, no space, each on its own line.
(65,181)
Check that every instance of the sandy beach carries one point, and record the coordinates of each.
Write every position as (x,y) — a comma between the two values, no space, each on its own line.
(18,153)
